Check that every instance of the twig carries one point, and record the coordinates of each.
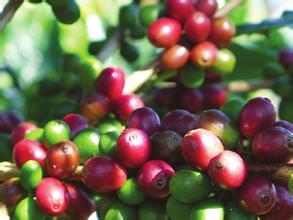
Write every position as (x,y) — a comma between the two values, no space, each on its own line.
(110,47)
(8,12)
(228,8)
(244,86)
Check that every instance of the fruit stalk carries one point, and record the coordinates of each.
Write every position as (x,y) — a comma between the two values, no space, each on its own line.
(8,12)
(228,8)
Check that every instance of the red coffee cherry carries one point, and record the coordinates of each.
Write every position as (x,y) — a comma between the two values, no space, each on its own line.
(175,57)
(204,55)
(179,9)
(18,133)
(209,7)
(191,100)
(215,95)
(76,123)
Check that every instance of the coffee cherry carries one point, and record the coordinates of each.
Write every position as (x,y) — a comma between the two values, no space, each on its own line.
(107,144)
(179,9)
(222,31)
(26,150)
(67,14)
(129,51)
(11,192)
(228,170)
(204,55)
(149,14)
(19,132)
(203,209)
(190,77)
(133,148)
(110,124)
(8,121)
(103,174)
(126,104)
(175,57)
(52,196)
(197,27)
(215,95)
(119,210)
(272,145)
(165,32)
(27,209)
(177,209)
(250,124)
(57,3)
(180,121)
(95,106)
(80,204)
(153,178)
(286,57)
(166,146)
(31,174)
(257,195)
(284,124)
(191,100)
(165,97)
(146,119)
(225,62)
(152,209)
(234,211)
(209,7)
(111,82)
(75,122)
(62,159)
(232,108)
(56,131)
(128,15)
(208,145)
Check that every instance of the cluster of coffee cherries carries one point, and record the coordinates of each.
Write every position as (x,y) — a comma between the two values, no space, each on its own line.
(281,74)
(66,11)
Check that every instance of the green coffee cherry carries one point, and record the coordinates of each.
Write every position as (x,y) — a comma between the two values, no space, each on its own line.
(57,3)
(191,77)
(56,131)
(110,124)
(233,107)
(107,144)
(27,209)
(149,14)
(35,134)
(67,14)
(225,62)
(31,174)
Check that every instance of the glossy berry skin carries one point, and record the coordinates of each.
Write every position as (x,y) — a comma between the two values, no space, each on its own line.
(257,195)
(146,119)
(20,130)
(52,196)
(103,174)
(283,208)
(175,57)
(180,121)
(8,121)
(133,148)
(215,95)
(126,104)
(225,62)
(111,82)
(204,55)
(26,150)
(207,145)
(208,7)
(95,107)
(80,204)
(164,32)
(272,145)
(222,31)
(250,123)
(153,178)
(11,192)
(228,170)
(191,100)
(62,159)
(166,146)
(179,9)
(284,124)
(197,27)
(76,123)
(286,57)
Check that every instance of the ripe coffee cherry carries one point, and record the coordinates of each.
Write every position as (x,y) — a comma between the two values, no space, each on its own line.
(175,57)
(133,148)
(284,124)
(111,82)
(286,57)
(26,150)
(222,31)
(95,106)
(146,119)
(62,159)
(11,192)
(19,132)
(180,121)
(51,196)
(179,9)
(103,174)
(153,178)
(225,62)
(80,204)
(204,55)
(126,104)
(166,146)
(191,100)
(250,123)
(228,170)
(209,7)
(207,145)
(197,27)
(8,121)
(215,95)
(283,208)
(272,145)
(165,32)
(76,123)
(257,195)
